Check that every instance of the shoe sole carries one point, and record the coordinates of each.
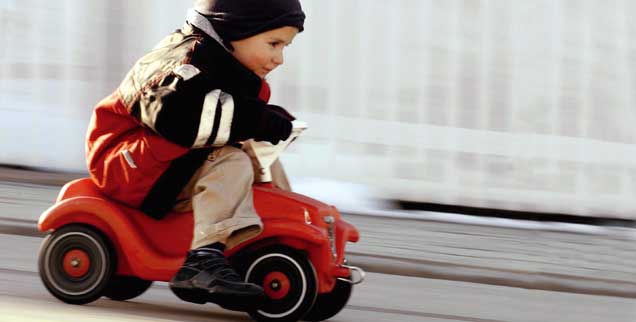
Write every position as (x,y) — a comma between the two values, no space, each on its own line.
(191,295)
(230,300)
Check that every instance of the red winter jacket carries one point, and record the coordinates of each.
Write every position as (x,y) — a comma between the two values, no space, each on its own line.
(180,101)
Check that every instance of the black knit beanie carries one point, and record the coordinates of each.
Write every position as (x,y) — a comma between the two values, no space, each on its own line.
(240,19)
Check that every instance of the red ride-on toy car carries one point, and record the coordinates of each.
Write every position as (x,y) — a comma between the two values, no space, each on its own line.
(97,247)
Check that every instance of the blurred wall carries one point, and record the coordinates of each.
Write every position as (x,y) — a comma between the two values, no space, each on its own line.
(57,60)
(505,104)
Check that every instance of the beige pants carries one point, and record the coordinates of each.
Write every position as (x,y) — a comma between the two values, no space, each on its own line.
(220,195)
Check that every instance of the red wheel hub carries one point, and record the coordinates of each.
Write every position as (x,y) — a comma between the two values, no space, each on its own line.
(276,285)
(76,263)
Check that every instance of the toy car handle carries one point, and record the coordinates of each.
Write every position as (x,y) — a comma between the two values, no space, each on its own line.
(263,153)
(298,127)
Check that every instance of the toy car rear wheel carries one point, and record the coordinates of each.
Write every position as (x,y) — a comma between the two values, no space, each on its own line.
(123,288)
(329,304)
(76,264)
(289,281)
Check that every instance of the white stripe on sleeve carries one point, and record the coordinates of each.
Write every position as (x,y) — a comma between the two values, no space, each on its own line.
(227,115)
(207,118)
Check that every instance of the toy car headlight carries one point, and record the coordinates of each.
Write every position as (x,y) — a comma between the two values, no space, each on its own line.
(331,232)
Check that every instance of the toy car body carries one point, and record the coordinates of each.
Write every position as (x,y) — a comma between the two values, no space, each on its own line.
(97,247)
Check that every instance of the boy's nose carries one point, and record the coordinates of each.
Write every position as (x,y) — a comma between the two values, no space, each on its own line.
(278,58)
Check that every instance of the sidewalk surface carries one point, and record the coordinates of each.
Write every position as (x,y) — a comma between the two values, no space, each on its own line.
(599,261)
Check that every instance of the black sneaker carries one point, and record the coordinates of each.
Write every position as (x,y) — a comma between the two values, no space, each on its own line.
(206,276)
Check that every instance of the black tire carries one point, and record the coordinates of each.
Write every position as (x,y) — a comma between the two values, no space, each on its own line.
(291,283)
(329,304)
(76,264)
(123,288)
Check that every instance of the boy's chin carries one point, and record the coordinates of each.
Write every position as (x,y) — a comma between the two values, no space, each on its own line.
(263,74)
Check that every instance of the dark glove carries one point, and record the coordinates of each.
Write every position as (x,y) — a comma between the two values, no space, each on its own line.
(275,125)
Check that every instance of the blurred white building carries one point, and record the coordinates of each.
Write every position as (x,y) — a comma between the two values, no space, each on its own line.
(524,105)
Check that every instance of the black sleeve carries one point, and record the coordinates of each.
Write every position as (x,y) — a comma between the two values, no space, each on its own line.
(186,111)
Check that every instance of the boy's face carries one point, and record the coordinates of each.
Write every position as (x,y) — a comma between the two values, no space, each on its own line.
(262,53)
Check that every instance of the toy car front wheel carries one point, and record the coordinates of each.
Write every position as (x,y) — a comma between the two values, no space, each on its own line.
(75,264)
(329,304)
(123,288)
(289,281)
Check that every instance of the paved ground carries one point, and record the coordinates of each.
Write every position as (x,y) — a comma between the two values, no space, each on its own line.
(601,261)
(382,297)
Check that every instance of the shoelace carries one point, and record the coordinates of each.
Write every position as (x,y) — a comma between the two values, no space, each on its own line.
(214,262)
(220,267)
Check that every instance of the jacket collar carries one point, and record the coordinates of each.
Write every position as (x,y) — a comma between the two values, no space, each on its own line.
(221,66)
(221,59)
(198,20)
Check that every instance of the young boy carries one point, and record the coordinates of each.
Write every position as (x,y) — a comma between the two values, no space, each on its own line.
(168,138)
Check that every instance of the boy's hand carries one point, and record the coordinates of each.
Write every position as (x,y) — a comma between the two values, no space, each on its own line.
(275,125)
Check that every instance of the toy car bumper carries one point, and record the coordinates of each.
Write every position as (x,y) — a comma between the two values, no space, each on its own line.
(356,275)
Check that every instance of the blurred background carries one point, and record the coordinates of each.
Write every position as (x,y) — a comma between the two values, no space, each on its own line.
(515,109)
(518,105)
